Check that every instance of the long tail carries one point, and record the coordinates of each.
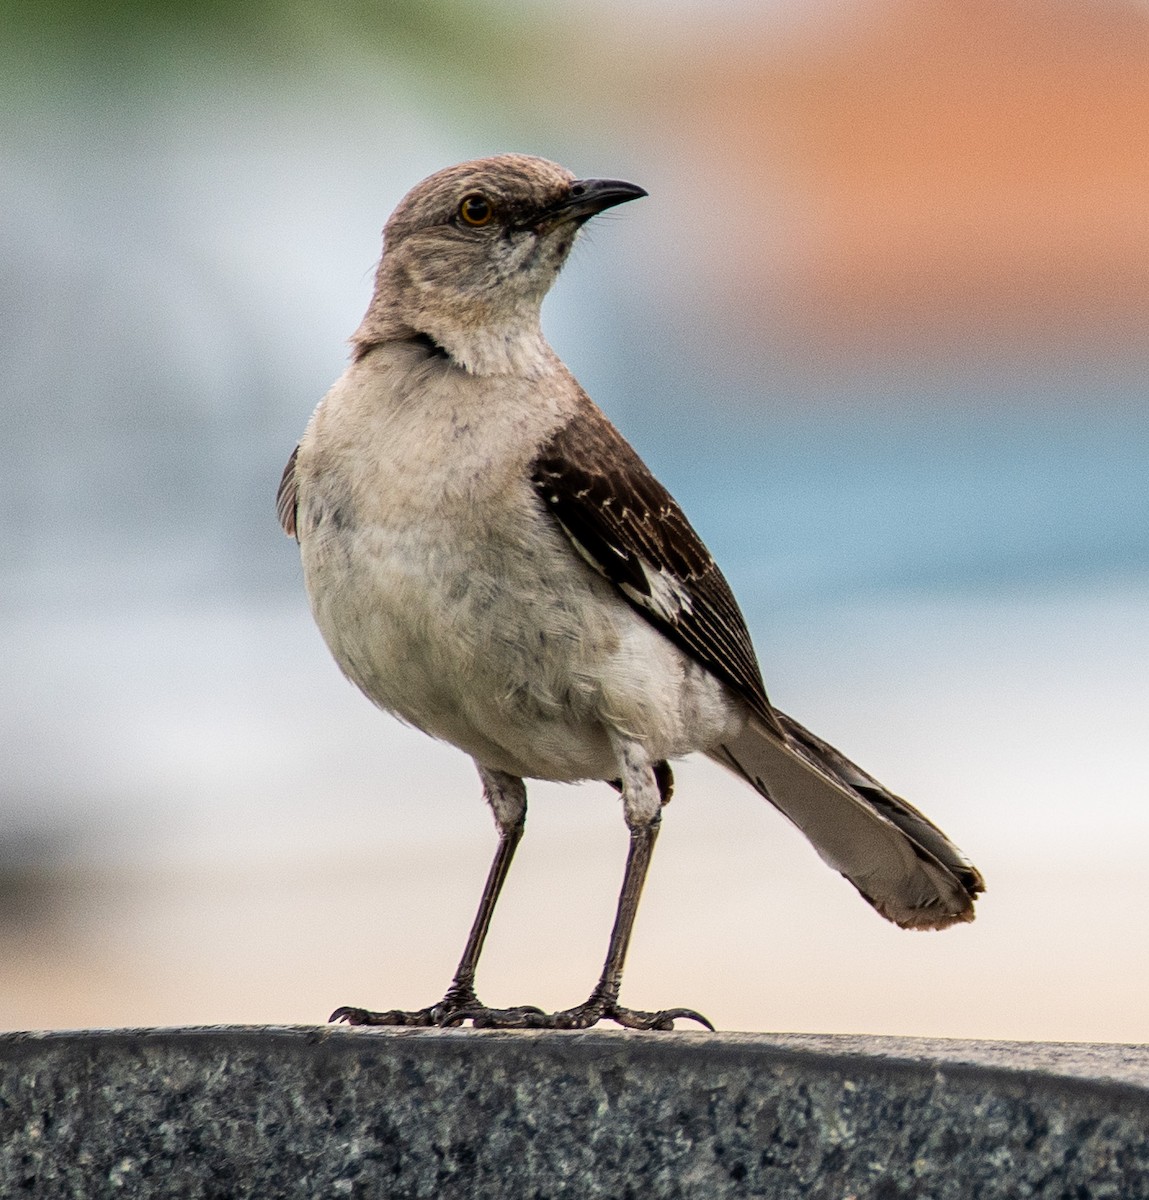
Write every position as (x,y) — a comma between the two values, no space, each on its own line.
(899,860)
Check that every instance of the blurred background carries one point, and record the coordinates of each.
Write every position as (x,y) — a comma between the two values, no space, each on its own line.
(881,328)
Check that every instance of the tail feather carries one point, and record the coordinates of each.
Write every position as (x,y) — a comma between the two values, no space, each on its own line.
(897,858)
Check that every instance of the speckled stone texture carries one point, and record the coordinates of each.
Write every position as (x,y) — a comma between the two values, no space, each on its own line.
(335,1112)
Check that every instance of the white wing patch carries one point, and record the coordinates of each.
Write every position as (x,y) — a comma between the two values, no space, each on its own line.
(669,597)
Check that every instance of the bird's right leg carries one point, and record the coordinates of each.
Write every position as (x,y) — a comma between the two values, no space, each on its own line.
(507,796)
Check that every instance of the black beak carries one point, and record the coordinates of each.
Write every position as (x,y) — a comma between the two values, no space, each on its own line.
(590,196)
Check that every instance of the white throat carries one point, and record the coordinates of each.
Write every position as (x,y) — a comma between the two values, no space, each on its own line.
(515,349)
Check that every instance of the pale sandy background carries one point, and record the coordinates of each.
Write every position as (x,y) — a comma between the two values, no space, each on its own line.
(881,328)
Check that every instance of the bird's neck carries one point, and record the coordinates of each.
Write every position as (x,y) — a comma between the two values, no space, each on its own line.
(514,347)
(484,330)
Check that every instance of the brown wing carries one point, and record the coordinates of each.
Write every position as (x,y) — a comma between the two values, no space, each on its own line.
(286,499)
(629,528)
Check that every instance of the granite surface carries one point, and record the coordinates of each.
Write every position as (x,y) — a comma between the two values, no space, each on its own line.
(272,1112)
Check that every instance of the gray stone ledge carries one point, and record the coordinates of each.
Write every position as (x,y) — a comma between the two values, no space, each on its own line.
(290,1112)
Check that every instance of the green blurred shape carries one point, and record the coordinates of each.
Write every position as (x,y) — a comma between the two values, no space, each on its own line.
(443,42)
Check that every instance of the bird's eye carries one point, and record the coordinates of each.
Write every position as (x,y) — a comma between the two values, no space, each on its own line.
(476,210)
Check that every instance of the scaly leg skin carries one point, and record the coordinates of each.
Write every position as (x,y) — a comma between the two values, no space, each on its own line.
(437,1014)
(645,788)
(583,1016)
(507,796)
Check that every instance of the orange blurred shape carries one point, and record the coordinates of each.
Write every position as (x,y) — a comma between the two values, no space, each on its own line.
(947,169)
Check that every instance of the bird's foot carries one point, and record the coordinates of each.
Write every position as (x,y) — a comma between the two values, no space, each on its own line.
(583,1016)
(393,1016)
(453,1009)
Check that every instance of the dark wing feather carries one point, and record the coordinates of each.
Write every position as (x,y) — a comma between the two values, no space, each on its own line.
(286,499)
(629,528)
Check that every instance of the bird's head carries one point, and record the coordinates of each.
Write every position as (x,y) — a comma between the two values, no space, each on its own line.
(469,254)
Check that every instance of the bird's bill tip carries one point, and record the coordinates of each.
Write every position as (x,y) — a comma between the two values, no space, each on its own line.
(587,197)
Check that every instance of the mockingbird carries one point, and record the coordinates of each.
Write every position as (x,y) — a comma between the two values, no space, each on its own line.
(489,560)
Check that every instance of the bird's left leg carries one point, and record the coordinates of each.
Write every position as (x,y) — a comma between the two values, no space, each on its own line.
(646,787)
(507,796)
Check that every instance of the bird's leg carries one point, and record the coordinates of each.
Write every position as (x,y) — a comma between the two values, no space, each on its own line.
(645,788)
(507,796)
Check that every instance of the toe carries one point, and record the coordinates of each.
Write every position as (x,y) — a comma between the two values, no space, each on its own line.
(526,1016)
(662,1021)
(394,1016)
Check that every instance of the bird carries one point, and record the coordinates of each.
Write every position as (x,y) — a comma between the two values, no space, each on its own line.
(489,561)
